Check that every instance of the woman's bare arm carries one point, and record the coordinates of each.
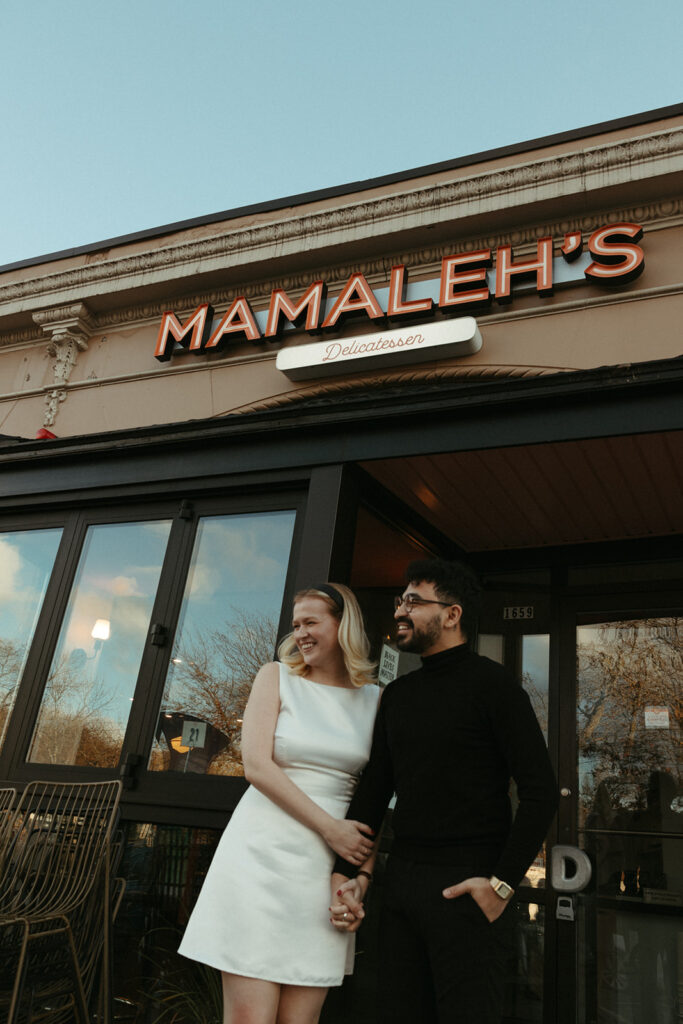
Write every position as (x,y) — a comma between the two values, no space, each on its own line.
(350,839)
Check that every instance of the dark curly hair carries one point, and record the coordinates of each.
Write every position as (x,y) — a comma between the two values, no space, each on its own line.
(453,581)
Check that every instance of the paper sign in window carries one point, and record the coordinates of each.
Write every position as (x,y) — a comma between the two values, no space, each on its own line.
(656,718)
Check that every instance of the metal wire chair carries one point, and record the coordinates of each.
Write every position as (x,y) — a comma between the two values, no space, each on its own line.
(7,796)
(56,901)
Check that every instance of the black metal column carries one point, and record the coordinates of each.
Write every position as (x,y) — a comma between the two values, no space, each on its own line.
(329,526)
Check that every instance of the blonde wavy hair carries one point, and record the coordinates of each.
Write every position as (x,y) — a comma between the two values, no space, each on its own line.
(352,638)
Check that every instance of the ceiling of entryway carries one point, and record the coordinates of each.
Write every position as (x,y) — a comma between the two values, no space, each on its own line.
(602,489)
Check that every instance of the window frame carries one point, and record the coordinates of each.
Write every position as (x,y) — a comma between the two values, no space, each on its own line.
(196,798)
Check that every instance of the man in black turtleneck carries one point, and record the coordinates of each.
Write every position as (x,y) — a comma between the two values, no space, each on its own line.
(447,740)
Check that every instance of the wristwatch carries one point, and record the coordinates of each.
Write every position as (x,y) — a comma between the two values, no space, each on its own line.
(500,888)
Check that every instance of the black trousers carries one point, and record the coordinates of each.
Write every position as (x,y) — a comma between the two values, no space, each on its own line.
(440,961)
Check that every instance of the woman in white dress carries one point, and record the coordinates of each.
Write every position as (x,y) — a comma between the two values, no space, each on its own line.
(262,917)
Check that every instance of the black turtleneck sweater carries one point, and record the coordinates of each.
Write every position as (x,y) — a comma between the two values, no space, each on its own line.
(448,738)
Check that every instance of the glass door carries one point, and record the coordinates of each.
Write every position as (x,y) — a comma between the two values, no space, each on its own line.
(86,702)
(216,621)
(227,629)
(514,629)
(629,817)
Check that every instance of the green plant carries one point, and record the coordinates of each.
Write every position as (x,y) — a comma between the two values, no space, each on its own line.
(181,991)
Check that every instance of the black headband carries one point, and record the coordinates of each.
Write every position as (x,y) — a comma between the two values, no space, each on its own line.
(331,592)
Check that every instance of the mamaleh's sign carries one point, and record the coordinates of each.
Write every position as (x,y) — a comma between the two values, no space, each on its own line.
(388,348)
(468,282)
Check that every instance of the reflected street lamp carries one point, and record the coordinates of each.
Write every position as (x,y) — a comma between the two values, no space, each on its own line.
(100,632)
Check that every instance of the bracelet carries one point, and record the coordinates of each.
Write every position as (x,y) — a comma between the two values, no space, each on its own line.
(365,874)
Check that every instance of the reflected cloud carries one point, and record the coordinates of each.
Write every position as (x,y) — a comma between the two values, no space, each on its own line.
(125,586)
(11,562)
(158,529)
(205,580)
(235,554)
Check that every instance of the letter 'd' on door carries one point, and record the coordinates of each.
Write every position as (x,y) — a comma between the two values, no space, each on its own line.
(560,856)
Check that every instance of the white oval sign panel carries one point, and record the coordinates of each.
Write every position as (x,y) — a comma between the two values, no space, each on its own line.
(441,340)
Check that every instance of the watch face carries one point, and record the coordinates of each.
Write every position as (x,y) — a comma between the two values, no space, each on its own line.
(502,889)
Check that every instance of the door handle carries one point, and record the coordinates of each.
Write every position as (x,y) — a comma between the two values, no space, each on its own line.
(158,635)
(560,857)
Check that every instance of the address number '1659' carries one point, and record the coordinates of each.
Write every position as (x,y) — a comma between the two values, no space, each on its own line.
(521,611)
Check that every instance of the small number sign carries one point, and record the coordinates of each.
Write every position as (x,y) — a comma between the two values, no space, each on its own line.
(194,734)
(519,611)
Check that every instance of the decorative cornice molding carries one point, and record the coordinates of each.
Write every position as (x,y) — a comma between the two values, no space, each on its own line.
(584,172)
(20,336)
(76,317)
(422,260)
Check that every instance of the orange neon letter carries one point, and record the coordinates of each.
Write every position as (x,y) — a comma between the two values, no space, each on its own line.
(192,334)
(365,299)
(454,291)
(618,261)
(311,301)
(542,267)
(572,247)
(238,318)
(398,305)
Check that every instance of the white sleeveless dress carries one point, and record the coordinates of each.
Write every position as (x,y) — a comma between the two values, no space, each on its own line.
(263,909)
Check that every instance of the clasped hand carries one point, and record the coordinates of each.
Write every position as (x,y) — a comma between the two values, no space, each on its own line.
(347,911)
(352,840)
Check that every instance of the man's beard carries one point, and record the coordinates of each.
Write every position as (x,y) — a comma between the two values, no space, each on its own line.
(419,640)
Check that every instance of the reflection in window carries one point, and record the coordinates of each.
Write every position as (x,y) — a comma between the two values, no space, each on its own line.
(524,974)
(629,694)
(630,811)
(227,630)
(647,867)
(536,673)
(629,964)
(26,561)
(89,689)
(535,678)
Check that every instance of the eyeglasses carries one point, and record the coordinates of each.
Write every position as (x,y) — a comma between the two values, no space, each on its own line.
(413,600)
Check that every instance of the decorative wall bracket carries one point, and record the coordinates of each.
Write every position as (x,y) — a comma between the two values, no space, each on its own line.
(69,328)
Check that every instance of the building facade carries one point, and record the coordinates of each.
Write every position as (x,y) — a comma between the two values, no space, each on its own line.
(478,359)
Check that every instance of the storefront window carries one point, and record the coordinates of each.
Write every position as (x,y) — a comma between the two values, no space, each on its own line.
(227,630)
(630,677)
(26,560)
(630,943)
(90,685)
(630,819)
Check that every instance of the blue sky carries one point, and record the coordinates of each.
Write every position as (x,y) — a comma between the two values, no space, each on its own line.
(124,116)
